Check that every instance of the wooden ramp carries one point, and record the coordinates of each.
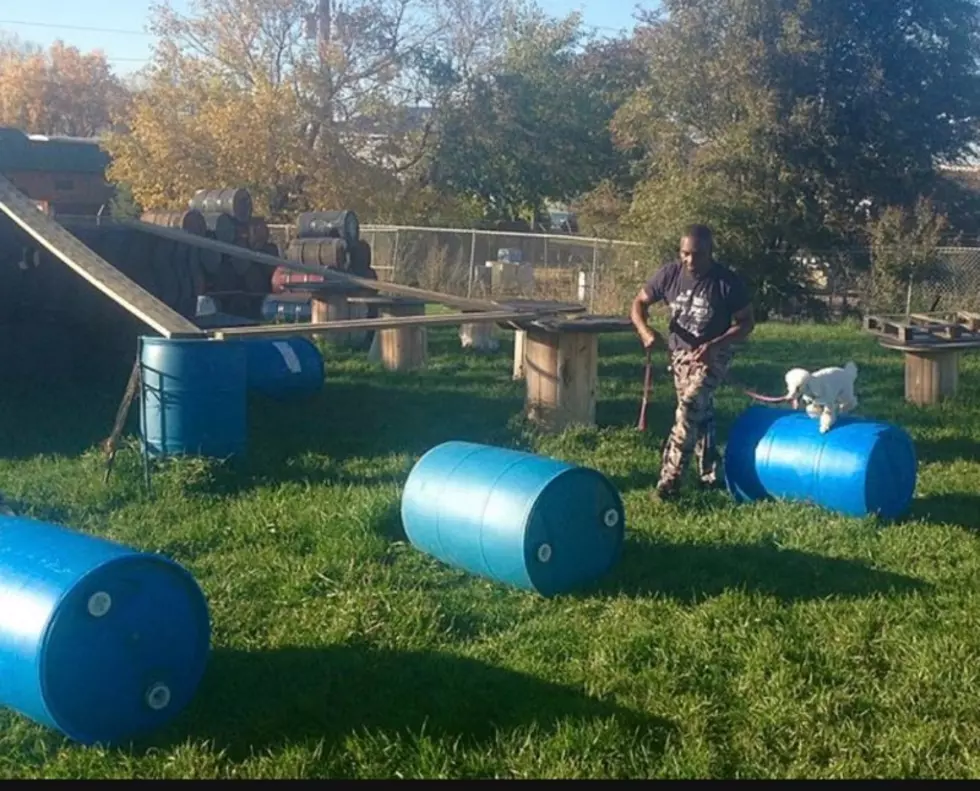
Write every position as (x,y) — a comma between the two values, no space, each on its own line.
(96,270)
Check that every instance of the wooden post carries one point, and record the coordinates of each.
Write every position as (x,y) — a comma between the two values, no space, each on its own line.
(327,306)
(931,376)
(562,371)
(404,348)
(520,343)
(478,337)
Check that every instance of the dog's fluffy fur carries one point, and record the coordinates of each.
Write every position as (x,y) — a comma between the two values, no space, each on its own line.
(825,393)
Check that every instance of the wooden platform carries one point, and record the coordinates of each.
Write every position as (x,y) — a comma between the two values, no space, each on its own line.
(932,344)
(561,367)
(926,328)
(520,327)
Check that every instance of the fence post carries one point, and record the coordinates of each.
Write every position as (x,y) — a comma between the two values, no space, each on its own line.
(469,285)
(592,283)
(394,260)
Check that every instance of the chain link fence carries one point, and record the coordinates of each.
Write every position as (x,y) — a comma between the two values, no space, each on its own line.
(606,274)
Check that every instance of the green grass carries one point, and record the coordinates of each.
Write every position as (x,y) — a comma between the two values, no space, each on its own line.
(767,640)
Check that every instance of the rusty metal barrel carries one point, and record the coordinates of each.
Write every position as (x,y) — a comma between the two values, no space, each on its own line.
(329,253)
(191,221)
(329,224)
(235,202)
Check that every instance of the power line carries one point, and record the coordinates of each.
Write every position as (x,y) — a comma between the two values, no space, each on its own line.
(76,27)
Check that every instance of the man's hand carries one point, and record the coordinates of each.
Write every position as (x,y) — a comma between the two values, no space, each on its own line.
(702,353)
(649,339)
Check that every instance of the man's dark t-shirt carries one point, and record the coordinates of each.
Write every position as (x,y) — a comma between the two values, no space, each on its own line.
(701,308)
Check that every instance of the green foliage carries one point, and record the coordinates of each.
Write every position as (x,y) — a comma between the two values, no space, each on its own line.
(786,124)
(123,204)
(536,128)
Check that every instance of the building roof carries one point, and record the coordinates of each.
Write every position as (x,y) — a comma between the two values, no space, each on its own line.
(19,152)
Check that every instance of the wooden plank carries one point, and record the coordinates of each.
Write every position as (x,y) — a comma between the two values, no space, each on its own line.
(971,320)
(934,326)
(329,275)
(96,270)
(933,346)
(310,329)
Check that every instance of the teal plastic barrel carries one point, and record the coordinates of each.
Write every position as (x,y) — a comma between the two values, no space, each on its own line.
(193,397)
(98,640)
(524,520)
(284,368)
(859,468)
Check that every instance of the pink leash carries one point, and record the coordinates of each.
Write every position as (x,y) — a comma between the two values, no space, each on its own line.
(647,380)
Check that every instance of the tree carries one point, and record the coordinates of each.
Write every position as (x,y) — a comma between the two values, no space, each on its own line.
(535,127)
(307,112)
(61,91)
(905,248)
(789,124)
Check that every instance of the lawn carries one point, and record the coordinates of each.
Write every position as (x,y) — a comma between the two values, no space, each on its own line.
(768,640)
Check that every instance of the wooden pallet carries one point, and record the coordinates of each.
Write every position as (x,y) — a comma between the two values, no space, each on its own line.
(927,329)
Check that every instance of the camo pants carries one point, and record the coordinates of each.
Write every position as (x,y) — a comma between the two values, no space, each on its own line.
(694,419)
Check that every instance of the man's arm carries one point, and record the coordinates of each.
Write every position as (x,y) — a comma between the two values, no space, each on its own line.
(652,291)
(743,322)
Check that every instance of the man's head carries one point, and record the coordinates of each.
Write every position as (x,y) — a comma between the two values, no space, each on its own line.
(696,248)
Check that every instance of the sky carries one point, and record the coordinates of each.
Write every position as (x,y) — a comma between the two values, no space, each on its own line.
(117,27)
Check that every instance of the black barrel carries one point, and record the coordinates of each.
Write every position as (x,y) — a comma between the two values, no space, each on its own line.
(235,202)
(222,226)
(191,221)
(329,253)
(329,224)
(360,258)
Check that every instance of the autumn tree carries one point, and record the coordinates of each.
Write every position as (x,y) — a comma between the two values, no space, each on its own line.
(306,111)
(789,124)
(58,91)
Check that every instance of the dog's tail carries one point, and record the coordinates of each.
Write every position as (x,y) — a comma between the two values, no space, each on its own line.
(852,369)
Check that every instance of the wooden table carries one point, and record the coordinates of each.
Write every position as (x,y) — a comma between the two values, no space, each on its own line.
(520,332)
(403,348)
(932,344)
(561,361)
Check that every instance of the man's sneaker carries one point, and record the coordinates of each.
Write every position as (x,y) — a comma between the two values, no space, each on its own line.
(665,492)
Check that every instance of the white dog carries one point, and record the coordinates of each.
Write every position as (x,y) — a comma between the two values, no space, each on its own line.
(825,393)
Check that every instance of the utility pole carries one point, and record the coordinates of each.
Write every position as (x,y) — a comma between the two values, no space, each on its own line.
(326,75)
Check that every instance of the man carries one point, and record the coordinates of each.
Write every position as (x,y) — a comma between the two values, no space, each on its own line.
(710,310)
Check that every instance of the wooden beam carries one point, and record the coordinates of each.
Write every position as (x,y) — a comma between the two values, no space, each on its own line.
(329,275)
(100,273)
(394,322)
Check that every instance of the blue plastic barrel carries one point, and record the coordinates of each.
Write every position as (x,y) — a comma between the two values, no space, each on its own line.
(194,397)
(517,518)
(858,468)
(284,367)
(97,640)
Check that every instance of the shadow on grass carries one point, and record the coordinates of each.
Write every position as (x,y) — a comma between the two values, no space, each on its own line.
(948,449)
(65,418)
(309,439)
(254,701)
(693,572)
(959,508)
